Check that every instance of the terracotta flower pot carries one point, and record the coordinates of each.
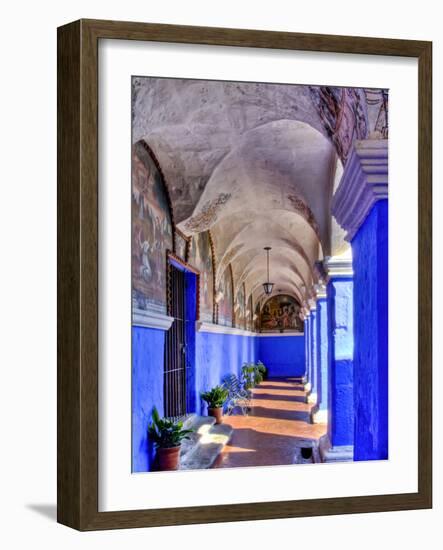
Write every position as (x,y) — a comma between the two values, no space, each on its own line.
(217,413)
(168,458)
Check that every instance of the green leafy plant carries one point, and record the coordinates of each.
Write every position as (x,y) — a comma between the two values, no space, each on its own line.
(166,433)
(253,374)
(216,397)
(262,370)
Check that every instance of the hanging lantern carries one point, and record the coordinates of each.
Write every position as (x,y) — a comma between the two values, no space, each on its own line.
(268,286)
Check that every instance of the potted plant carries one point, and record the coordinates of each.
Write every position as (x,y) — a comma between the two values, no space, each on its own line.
(216,398)
(253,374)
(167,435)
(262,372)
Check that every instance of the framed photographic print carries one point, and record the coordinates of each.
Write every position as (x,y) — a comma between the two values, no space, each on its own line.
(244,275)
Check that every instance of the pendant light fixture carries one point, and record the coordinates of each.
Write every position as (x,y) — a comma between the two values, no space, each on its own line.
(268,285)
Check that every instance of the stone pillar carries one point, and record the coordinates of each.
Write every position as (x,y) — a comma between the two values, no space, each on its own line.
(303,318)
(313,392)
(308,381)
(360,206)
(340,361)
(320,415)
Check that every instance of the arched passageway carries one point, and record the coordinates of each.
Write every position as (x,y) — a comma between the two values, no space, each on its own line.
(221,172)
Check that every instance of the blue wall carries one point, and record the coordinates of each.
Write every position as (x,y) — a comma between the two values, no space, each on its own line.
(282,355)
(147,390)
(370,252)
(215,356)
(212,357)
(218,355)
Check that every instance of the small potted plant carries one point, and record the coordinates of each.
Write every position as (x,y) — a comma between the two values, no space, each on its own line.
(167,436)
(253,374)
(216,398)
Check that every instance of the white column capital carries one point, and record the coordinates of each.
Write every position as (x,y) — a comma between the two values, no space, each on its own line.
(312,304)
(305,309)
(320,291)
(339,266)
(364,182)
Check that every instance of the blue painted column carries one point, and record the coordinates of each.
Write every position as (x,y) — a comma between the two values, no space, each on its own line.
(340,359)
(360,206)
(308,383)
(321,414)
(305,331)
(313,393)
(370,249)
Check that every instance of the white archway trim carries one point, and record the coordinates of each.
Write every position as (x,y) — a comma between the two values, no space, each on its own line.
(364,182)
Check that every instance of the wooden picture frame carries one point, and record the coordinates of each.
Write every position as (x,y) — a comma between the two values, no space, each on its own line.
(77,457)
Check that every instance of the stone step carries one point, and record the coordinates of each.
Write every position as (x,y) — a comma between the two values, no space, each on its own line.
(205,444)
(201,425)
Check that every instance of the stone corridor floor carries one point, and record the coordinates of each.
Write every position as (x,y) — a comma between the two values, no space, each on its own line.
(277,425)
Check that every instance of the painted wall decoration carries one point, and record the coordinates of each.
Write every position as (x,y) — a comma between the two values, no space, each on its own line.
(377,105)
(209,213)
(200,257)
(256,317)
(240,308)
(181,245)
(249,314)
(343,112)
(225,304)
(281,313)
(151,232)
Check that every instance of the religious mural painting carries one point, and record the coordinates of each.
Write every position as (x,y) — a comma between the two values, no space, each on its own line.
(240,307)
(200,257)
(151,232)
(281,313)
(344,115)
(181,245)
(256,316)
(225,303)
(249,314)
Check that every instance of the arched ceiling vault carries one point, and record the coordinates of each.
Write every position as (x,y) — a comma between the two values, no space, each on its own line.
(283,261)
(253,164)
(233,241)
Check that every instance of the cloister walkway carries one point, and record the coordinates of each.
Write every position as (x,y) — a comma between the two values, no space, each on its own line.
(278,425)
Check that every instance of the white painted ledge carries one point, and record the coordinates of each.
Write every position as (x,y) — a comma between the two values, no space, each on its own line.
(278,334)
(151,319)
(203,326)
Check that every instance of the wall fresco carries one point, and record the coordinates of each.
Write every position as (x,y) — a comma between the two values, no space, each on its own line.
(249,314)
(200,257)
(240,308)
(225,304)
(343,112)
(181,246)
(256,317)
(281,313)
(151,232)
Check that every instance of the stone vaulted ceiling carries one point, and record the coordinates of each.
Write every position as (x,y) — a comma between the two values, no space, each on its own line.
(252,163)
